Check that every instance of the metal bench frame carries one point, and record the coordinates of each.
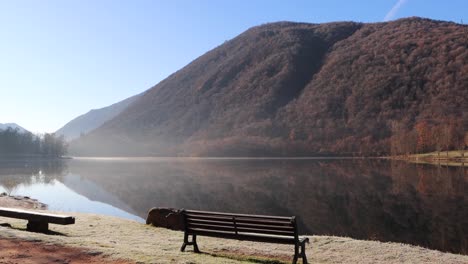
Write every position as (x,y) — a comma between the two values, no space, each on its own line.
(257,228)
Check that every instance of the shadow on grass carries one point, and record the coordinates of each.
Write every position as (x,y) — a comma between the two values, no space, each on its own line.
(49,232)
(252,259)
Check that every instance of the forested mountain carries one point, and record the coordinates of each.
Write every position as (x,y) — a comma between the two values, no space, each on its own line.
(304,89)
(93,119)
(17,143)
(12,126)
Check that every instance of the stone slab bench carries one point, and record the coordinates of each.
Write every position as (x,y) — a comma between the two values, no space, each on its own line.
(37,221)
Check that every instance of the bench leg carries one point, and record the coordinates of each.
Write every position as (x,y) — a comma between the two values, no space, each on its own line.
(296,253)
(188,243)
(37,226)
(185,242)
(300,254)
(195,245)
(303,254)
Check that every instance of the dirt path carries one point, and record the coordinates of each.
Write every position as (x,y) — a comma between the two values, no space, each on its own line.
(16,251)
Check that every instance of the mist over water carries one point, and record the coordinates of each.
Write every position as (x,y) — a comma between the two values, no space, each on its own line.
(364,199)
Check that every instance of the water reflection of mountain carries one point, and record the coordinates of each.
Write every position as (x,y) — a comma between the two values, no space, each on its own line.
(94,192)
(30,173)
(364,199)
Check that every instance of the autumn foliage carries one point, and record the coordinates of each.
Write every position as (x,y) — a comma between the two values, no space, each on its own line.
(287,89)
(429,136)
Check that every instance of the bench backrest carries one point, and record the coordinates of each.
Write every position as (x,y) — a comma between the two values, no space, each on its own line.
(241,226)
(36,216)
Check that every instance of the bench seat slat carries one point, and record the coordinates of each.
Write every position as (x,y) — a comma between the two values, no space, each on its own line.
(261,226)
(194,226)
(266,231)
(263,222)
(239,224)
(208,217)
(239,215)
(245,236)
(211,227)
(240,220)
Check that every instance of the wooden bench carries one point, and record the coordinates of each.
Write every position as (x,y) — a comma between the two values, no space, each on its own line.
(257,228)
(37,221)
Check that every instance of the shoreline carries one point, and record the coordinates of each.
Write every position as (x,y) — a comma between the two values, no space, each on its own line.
(121,240)
(447,158)
(23,202)
(149,158)
(33,159)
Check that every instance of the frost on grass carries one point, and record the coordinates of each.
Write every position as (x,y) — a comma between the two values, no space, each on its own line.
(125,239)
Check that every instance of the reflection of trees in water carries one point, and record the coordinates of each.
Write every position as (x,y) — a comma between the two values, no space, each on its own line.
(367,199)
(28,172)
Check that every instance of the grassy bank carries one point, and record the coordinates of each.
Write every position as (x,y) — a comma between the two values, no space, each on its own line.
(125,239)
(448,158)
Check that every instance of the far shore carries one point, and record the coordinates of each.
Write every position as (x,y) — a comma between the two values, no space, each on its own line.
(32,157)
(446,158)
(216,158)
(120,240)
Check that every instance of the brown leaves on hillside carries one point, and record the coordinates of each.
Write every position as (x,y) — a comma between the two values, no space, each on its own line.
(303,89)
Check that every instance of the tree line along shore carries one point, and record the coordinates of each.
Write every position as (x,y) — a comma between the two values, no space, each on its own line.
(14,143)
(426,137)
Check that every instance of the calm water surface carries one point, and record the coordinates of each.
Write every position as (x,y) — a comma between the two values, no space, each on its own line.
(365,199)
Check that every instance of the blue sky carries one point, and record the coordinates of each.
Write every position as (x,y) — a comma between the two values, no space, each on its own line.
(59,59)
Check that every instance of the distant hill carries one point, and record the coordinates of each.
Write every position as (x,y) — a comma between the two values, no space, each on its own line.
(13,126)
(286,89)
(93,119)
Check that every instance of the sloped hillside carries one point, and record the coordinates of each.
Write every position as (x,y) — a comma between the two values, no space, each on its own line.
(385,76)
(13,126)
(93,119)
(299,89)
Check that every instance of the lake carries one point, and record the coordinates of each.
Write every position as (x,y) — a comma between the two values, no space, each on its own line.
(381,200)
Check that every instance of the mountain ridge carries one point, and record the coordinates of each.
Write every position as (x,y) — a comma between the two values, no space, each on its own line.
(93,119)
(296,89)
(4,126)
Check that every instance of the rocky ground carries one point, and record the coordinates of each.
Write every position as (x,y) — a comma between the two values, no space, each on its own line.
(24,202)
